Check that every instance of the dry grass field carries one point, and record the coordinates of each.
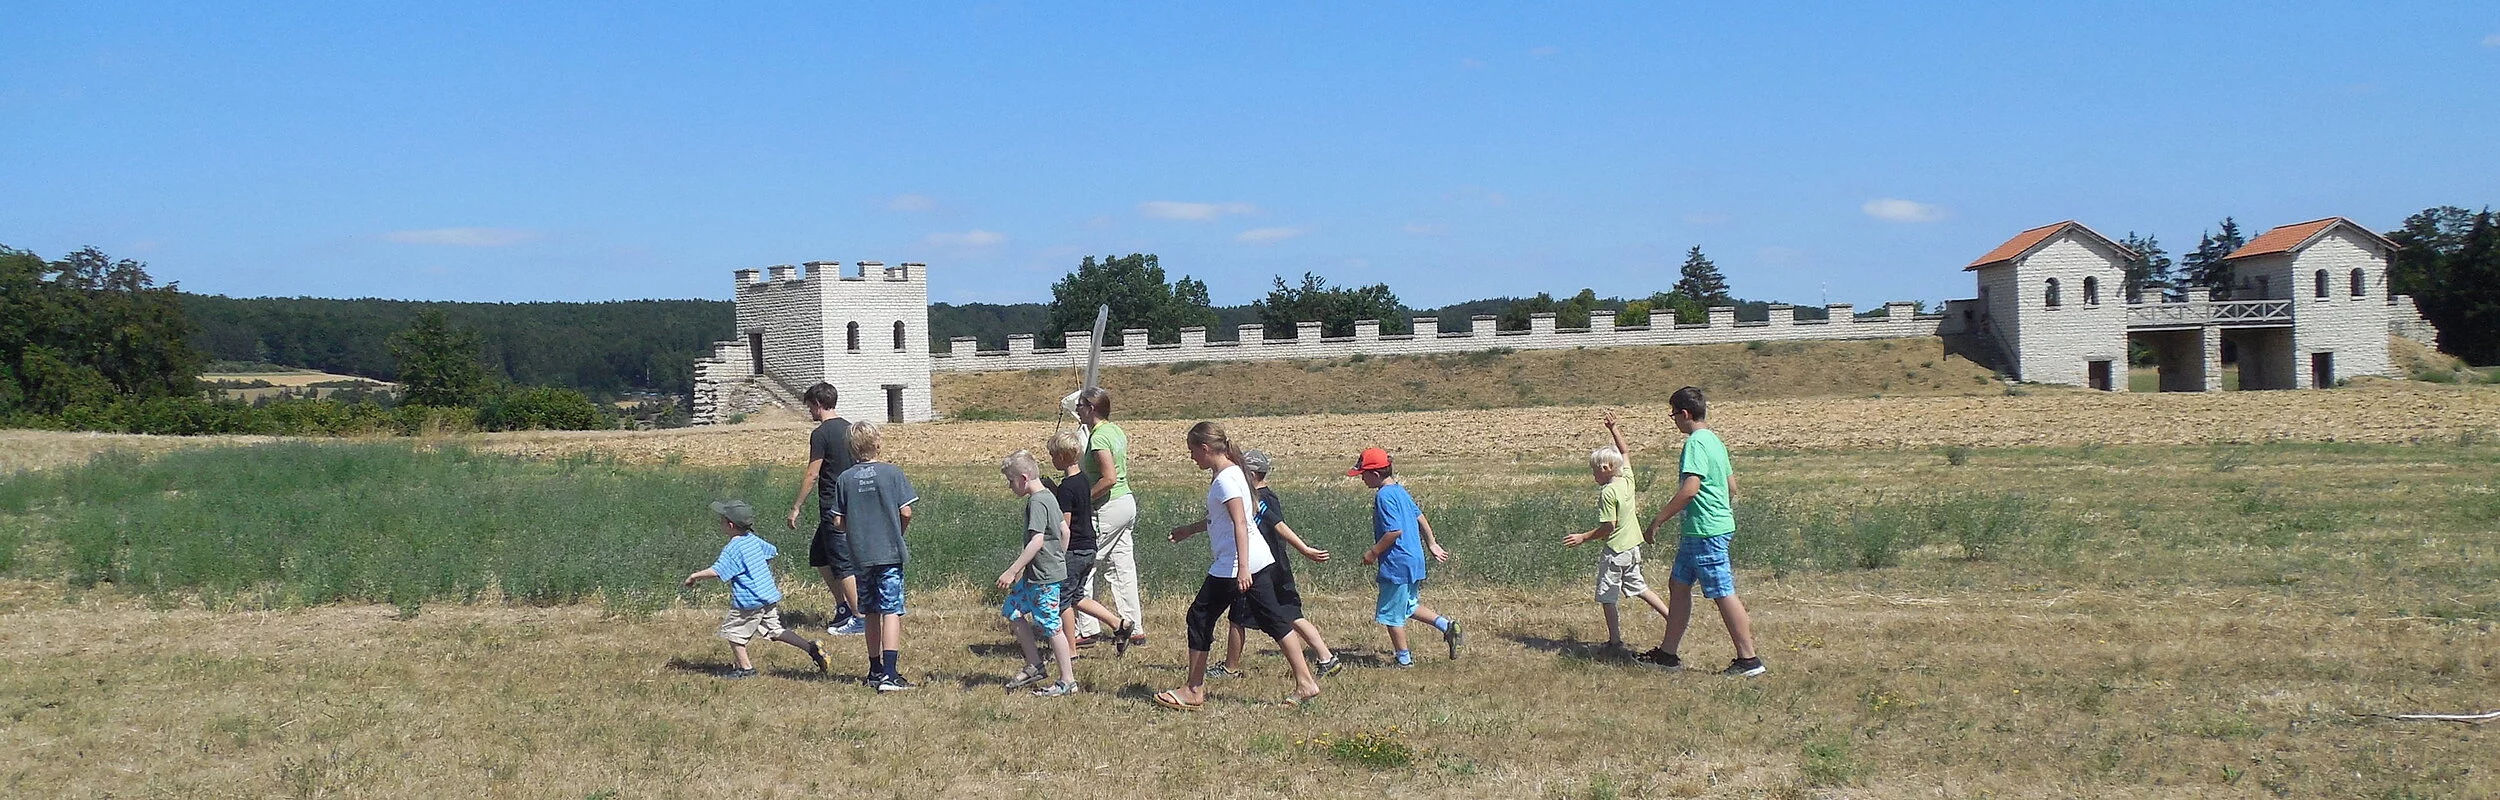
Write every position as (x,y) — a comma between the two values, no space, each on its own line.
(2221,591)
(1491,379)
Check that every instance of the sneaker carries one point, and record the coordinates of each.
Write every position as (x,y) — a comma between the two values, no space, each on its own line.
(1219,671)
(1612,650)
(841,617)
(1330,667)
(1061,689)
(735,674)
(1660,658)
(1403,663)
(894,683)
(816,653)
(1031,674)
(854,627)
(1455,638)
(1745,668)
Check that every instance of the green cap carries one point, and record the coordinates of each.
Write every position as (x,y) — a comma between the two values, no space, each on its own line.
(736,511)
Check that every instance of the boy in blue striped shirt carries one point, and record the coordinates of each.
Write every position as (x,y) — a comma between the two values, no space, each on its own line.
(745,563)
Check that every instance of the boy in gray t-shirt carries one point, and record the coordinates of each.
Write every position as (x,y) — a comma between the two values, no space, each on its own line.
(872,503)
(1032,582)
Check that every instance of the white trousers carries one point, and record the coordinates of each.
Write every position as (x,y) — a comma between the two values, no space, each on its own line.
(1115,562)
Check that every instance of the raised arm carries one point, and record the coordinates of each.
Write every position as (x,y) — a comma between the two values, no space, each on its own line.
(1615,432)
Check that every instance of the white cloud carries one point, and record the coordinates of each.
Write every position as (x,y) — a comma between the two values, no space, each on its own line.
(1894,209)
(1194,212)
(971,238)
(1267,235)
(463,237)
(912,202)
(1541,52)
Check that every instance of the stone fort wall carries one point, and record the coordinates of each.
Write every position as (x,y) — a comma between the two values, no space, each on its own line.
(1900,320)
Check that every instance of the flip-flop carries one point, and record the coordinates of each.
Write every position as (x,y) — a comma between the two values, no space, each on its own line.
(1291,701)
(1171,698)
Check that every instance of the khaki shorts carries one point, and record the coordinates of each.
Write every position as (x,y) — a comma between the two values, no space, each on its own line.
(747,623)
(1619,575)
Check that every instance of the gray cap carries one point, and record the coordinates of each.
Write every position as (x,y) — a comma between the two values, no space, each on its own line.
(736,511)
(1255,461)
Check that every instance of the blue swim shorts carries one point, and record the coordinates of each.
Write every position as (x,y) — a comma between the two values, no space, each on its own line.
(1397,603)
(1037,603)
(881,590)
(1702,561)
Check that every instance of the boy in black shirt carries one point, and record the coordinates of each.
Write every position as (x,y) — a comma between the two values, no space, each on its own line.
(1076,503)
(828,454)
(1270,518)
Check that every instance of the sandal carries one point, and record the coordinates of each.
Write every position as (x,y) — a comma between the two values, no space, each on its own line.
(1120,638)
(1292,701)
(1032,674)
(1061,689)
(1171,698)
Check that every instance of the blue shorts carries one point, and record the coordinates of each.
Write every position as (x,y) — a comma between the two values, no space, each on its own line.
(1039,604)
(881,590)
(1702,561)
(1397,603)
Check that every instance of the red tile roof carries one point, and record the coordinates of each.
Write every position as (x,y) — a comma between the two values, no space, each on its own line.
(2023,243)
(2297,235)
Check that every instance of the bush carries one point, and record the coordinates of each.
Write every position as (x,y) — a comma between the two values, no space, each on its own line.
(542,408)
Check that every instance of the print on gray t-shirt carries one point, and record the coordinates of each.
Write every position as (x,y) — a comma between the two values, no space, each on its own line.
(871,500)
(1041,513)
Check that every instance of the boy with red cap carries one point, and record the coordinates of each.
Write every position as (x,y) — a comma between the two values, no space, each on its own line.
(1400,539)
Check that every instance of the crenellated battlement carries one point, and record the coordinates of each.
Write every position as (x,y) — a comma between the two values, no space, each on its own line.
(1900,320)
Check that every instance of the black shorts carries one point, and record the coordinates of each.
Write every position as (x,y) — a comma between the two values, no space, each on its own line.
(831,547)
(1288,596)
(1261,610)
(1080,568)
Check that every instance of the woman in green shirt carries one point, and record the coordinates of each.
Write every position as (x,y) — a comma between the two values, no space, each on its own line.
(1115,515)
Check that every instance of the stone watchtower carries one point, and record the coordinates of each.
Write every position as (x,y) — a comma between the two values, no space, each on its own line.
(2049,300)
(2333,275)
(867,333)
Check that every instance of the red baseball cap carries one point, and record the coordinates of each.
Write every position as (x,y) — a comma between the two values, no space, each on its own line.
(1372,458)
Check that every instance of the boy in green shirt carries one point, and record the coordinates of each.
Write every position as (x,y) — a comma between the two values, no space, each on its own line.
(1705,496)
(1618,525)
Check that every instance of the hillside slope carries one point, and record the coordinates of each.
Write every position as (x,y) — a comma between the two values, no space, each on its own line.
(1490,379)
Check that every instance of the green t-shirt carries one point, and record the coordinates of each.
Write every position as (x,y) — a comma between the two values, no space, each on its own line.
(1109,437)
(1617,503)
(1708,514)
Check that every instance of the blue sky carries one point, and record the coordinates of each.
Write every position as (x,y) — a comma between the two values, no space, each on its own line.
(460,151)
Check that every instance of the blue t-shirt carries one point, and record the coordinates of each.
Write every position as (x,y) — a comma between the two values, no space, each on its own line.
(1394,510)
(745,565)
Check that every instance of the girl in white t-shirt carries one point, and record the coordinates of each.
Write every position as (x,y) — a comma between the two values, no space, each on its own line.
(1241,573)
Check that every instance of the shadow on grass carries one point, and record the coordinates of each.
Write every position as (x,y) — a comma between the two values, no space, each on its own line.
(720,669)
(1574,649)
